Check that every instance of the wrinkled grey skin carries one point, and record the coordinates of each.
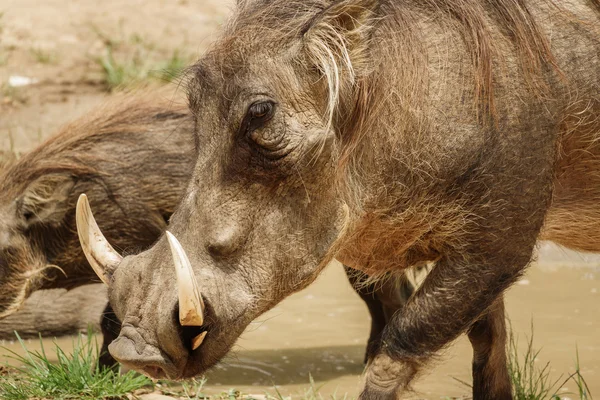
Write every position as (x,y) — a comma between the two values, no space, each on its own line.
(428,156)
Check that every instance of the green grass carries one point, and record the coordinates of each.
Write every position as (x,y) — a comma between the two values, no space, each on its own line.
(189,390)
(129,62)
(75,375)
(532,381)
(120,72)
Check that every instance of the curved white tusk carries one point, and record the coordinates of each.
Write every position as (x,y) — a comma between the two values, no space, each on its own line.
(99,253)
(191,306)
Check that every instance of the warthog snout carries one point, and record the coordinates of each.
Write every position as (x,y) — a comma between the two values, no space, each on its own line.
(131,350)
(138,345)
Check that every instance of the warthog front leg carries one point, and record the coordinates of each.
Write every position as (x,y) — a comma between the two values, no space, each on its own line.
(385,298)
(368,294)
(439,312)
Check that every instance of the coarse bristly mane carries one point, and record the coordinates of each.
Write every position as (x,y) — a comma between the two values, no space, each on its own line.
(348,40)
(338,37)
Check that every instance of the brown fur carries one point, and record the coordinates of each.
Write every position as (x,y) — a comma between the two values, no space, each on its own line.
(56,312)
(90,155)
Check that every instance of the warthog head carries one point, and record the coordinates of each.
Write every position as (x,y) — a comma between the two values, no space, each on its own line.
(27,208)
(262,211)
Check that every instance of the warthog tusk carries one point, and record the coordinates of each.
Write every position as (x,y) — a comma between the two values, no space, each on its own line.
(197,341)
(99,253)
(191,306)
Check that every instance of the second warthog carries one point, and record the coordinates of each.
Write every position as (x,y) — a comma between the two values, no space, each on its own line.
(133,156)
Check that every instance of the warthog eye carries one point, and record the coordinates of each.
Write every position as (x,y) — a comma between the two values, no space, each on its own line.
(270,142)
(258,114)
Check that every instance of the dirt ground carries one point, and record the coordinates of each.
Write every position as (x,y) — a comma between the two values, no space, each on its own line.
(321,331)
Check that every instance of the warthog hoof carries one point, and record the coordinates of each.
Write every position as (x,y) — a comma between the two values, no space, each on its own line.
(386,378)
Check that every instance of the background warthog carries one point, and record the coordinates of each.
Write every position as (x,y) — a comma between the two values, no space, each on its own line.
(133,157)
(382,133)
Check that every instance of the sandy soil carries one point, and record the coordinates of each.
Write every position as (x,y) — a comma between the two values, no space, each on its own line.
(322,330)
(73,35)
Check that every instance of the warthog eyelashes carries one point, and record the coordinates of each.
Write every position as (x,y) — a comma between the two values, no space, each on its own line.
(260,110)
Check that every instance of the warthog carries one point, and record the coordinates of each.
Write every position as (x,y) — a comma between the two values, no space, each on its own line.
(134,157)
(381,133)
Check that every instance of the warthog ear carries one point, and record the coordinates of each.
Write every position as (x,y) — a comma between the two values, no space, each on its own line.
(338,37)
(46,199)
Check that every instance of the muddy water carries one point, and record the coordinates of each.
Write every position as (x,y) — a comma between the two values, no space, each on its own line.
(322,331)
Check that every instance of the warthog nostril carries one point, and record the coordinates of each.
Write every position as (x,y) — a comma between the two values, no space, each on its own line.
(155,372)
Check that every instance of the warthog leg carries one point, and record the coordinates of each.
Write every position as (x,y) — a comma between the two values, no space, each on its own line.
(488,338)
(438,313)
(368,294)
(487,335)
(385,298)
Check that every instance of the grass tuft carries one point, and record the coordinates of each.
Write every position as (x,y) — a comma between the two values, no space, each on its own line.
(529,381)
(533,382)
(122,72)
(74,376)
(130,62)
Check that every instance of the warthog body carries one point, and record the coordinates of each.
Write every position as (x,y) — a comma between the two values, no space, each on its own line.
(133,157)
(382,133)
(56,312)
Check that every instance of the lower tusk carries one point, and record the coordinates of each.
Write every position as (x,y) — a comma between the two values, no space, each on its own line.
(197,341)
